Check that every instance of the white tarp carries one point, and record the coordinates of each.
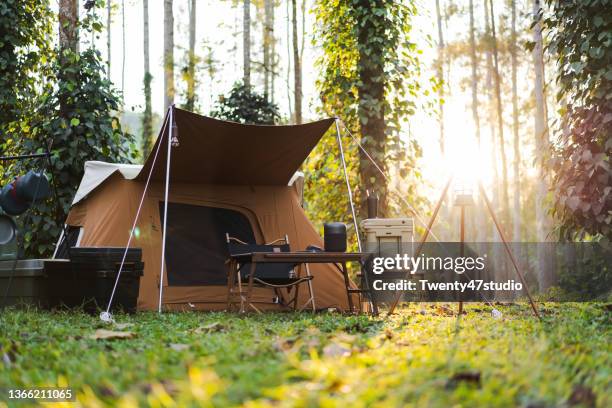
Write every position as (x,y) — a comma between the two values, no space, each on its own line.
(96,172)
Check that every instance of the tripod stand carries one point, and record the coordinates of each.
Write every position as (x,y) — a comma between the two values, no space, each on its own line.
(483,194)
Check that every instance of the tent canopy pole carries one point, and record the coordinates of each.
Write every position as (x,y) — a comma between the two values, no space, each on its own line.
(163,252)
(348,184)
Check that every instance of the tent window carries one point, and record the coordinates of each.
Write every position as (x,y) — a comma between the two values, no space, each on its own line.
(196,249)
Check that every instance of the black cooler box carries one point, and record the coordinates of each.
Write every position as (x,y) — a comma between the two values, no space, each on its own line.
(88,279)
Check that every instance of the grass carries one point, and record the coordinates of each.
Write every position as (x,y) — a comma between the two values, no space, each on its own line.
(423,356)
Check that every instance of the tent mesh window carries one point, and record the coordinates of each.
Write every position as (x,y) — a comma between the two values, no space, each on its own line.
(196,249)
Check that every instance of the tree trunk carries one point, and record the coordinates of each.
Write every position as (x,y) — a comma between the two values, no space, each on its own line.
(267,44)
(440,75)
(246,43)
(545,272)
(371,93)
(108,38)
(491,115)
(480,224)
(288,78)
(516,222)
(168,54)
(272,51)
(190,103)
(68,41)
(500,124)
(297,67)
(123,46)
(147,118)
(68,18)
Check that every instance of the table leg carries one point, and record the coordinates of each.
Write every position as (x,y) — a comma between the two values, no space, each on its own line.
(347,283)
(364,272)
(250,287)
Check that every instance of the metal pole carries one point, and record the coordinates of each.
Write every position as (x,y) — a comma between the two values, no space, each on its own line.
(508,250)
(348,185)
(163,254)
(462,246)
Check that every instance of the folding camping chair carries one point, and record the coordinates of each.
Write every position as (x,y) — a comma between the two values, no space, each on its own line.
(271,275)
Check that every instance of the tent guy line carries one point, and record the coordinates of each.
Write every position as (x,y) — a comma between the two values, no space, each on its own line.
(106,316)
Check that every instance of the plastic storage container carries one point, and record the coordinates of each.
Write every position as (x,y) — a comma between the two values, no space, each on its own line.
(88,279)
(388,236)
(25,281)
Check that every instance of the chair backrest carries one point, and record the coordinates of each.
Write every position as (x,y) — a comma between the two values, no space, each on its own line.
(267,272)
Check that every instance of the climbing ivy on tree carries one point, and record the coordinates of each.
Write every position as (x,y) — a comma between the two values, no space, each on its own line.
(369,77)
(243,105)
(85,128)
(580,35)
(25,29)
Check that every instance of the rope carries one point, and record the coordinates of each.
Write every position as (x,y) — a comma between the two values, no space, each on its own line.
(110,301)
(398,193)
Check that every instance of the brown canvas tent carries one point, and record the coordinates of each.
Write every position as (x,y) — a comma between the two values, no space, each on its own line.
(223,177)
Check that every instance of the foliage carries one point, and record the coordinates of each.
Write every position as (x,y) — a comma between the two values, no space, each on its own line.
(24,48)
(85,129)
(586,272)
(581,41)
(344,94)
(25,29)
(243,105)
(422,356)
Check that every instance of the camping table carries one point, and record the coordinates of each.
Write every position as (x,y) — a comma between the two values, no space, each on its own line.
(339,259)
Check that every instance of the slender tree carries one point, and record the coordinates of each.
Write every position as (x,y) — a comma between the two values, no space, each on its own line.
(68,17)
(288,42)
(122,46)
(147,118)
(297,66)
(191,58)
(267,45)
(440,76)
(480,225)
(246,43)
(108,37)
(272,57)
(490,113)
(543,227)
(500,122)
(168,54)
(516,210)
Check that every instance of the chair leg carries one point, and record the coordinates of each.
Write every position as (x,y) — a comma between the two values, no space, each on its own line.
(310,290)
(250,287)
(240,292)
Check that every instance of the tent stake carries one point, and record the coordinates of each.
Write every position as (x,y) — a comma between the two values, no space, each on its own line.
(163,254)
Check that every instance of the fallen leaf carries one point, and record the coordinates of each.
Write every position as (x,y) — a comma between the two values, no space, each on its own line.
(336,350)
(582,396)
(470,377)
(209,328)
(285,344)
(179,346)
(102,334)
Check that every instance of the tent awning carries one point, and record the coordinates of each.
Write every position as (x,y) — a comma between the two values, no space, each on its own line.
(212,151)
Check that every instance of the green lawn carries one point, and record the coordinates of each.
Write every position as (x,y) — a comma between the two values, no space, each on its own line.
(423,356)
